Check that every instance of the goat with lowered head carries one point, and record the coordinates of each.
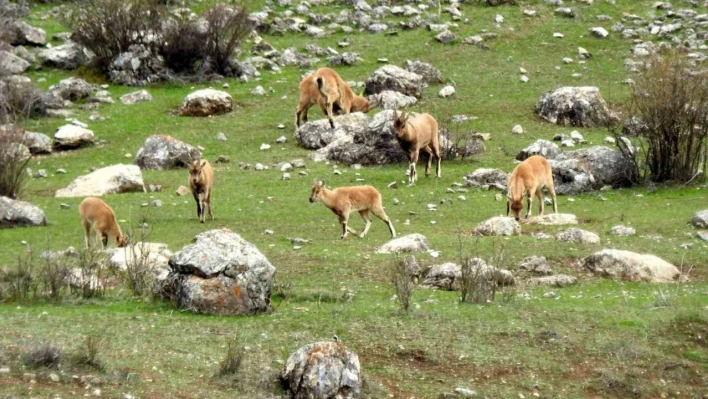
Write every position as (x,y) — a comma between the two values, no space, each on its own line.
(529,177)
(414,135)
(98,215)
(327,89)
(345,200)
(201,182)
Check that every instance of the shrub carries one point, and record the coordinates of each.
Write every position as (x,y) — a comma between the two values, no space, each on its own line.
(475,284)
(138,272)
(88,352)
(54,276)
(46,355)
(14,157)
(671,98)
(89,281)
(233,360)
(19,100)
(21,283)
(402,271)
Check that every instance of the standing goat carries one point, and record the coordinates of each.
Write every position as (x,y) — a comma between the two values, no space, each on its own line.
(419,133)
(344,200)
(326,88)
(529,177)
(98,215)
(201,182)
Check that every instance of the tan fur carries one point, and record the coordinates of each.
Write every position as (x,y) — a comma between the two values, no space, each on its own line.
(201,182)
(529,177)
(327,89)
(419,133)
(344,200)
(98,215)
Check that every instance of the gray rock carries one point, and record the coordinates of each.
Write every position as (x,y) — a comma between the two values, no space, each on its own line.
(391,77)
(623,231)
(447,91)
(429,73)
(577,106)
(545,148)
(291,56)
(136,97)
(206,102)
(72,136)
(69,55)
(448,276)
(536,264)
(590,169)
(566,12)
(73,89)
(558,281)
(599,32)
(630,266)
(388,99)
(161,152)
(576,235)
(11,64)
(15,213)
(703,235)
(26,34)
(553,219)
(445,37)
(37,143)
(377,28)
(473,146)
(498,226)
(221,273)
(318,134)
(700,219)
(411,243)
(344,59)
(485,177)
(137,66)
(322,370)
(113,179)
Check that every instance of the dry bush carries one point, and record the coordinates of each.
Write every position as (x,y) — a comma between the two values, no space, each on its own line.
(46,355)
(402,274)
(455,141)
(88,280)
(88,353)
(109,27)
(671,98)
(183,46)
(14,157)
(19,100)
(226,27)
(235,354)
(21,283)
(479,281)
(54,277)
(139,263)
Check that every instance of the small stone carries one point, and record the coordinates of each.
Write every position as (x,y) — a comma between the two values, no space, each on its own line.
(623,231)
(221,137)
(54,377)
(499,18)
(396,201)
(599,32)
(281,140)
(4,370)
(182,191)
(265,146)
(337,172)
(393,184)
(223,159)
(268,232)
(63,206)
(258,91)
(465,393)
(567,60)
(447,91)
(156,203)
(259,166)
(61,171)
(302,173)
(550,294)
(517,129)
(498,197)
(285,176)
(609,140)
(40,174)
(523,78)
(558,35)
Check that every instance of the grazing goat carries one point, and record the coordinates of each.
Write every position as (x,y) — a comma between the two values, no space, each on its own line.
(419,133)
(529,177)
(344,200)
(97,214)
(326,88)
(201,181)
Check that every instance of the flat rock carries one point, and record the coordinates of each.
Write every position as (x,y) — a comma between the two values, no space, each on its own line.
(411,243)
(161,152)
(10,64)
(558,281)
(576,106)
(37,143)
(630,266)
(71,136)
(536,264)
(206,102)
(26,34)
(700,219)
(623,231)
(448,276)
(391,77)
(15,213)
(69,55)
(576,235)
(487,177)
(73,89)
(113,179)
(553,219)
(136,97)
(154,255)
(498,226)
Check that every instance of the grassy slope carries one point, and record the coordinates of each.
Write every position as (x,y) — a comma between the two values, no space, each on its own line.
(606,331)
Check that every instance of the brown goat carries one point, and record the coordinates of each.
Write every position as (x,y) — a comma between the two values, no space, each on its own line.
(326,88)
(201,182)
(529,177)
(344,200)
(419,133)
(98,215)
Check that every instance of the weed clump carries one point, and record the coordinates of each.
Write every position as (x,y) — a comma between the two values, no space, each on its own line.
(402,272)
(46,355)
(233,360)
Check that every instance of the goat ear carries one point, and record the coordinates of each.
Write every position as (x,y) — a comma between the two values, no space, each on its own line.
(362,92)
(203,163)
(322,183)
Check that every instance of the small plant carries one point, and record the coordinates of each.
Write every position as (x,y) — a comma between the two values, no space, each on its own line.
(283,289)
(90,280)
(479,281)
(46,355)
(402,273)
(14,157)
(233,360)
(139,263)
(54,276)
(22,283)
(456,142)
(88,352)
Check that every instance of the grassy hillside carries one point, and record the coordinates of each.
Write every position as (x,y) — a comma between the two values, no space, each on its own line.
(598,339)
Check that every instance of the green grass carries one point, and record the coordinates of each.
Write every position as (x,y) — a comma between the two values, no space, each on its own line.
(600,339)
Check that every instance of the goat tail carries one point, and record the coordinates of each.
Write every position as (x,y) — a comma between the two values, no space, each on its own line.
(321,85)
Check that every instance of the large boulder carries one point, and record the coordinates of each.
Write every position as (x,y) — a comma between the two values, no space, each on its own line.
(577,235)
(26,34)
(137,67)
(590,169)
(498,226)
(389,99)
(113,179)
(11,64)
(700,219)
(73,89)
(72,136)
(391,77)
(577,106)
(136,97)
(545,148)
(411,243)
(317,134)
(15,213)
(206,102)
(630,266)
(37,143)
(448,276)
(429,73)
(69,55)
(487,178)
(536,264)
(162,152)
(323,370)
(221,273)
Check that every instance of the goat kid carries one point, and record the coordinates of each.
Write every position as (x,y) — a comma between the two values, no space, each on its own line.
(529,177)
(345,200)
(98,215)
(201,182)
(414,135)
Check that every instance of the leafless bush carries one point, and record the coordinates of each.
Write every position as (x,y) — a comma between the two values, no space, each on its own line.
(21,282)
(88,279)
(54,277)
(139,263)
(479,280)
(19,100)
(402,274)
(14,157)
(226,27)
(88,353)
(109,27)
(46,355)
(671,98)
(456,142)
(235,354)
(183,46)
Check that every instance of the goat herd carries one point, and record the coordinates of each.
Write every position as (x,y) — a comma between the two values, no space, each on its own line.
(327,89)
